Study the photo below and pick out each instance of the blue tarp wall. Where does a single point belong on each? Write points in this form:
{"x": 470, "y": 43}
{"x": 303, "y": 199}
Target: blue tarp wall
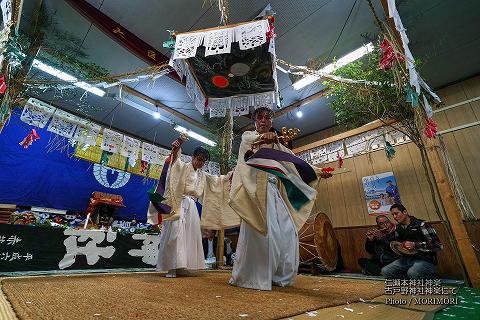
{"x": 37, "y": 177}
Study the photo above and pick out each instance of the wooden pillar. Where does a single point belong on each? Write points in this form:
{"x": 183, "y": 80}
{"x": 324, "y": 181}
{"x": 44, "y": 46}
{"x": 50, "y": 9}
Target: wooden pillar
{"x": 220, "y": 247}
{"x": 454, "y": 215}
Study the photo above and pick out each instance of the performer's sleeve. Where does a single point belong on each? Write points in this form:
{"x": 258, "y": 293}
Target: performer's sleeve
{"x": 248, "y": 138}
{"x": 175, "y": 184}
{"x": 153, "y": 216}
{"x": 217, "y": 214}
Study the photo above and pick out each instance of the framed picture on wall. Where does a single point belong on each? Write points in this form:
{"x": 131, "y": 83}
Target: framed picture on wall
{"x": 381, "y": 192}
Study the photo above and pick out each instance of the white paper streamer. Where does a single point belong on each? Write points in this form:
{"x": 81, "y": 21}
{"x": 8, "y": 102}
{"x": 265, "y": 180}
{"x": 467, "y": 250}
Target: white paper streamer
{"x": 37, "y": 113}
{"x": 112, "y": 141}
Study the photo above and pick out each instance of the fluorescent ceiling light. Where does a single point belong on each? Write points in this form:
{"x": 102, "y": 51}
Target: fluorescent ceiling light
{"x": 350, "y": 57}
{"x": 66, "y": 77}
{"x": 299, "y": 114}
{"x": 302, "y": 83}
{"x": 195, "y": 135}
{"x": 153, "y": 113}
{"x": 147, "y": 110}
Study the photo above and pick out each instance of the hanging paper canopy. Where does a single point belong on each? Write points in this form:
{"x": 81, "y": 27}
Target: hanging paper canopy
{"x": 230, "y": 66}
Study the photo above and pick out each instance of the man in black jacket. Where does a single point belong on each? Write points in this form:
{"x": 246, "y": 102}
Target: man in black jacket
{"x": 378, "y": 245}
{"x": 209, "y": 245}
{"x": 416, "y": 235}
{"x": 210, "y": 248}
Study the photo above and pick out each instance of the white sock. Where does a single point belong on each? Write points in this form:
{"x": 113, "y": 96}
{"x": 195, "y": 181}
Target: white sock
{"x": 171, "y": 273}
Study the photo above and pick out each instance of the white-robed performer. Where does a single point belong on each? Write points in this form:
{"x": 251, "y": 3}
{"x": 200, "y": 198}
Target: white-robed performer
{"x": 180, "y": 247}
{"x": 268, "y": 247}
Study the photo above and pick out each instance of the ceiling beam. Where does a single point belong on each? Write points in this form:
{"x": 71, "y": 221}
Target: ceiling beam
{"x": 293, "y": 106}
{"x": 162, "y": 106}
{"x": 121, "y": 35}
{"x": 390, "y": 21}
{"x": 135, "y": 45}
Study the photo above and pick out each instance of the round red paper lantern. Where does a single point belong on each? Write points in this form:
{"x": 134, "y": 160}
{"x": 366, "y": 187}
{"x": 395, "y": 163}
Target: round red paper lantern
{"x": 220, "y": 81}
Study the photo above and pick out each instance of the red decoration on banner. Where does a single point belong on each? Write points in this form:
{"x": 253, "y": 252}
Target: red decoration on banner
{"x": 58, "y": 220}
{"x": 3, "y": 85}
{"x": 431, "y": 128}
{"x": 29, "y": 139}
{"x": 220, "y": 81}
{"x": 271, "y": 29}
{"x": 144, "y": 166}
{"x": 328, "y": 169}
{"x": 28, "y": 218}
{"x": 340, "y": 159}
{"x": 388, "y": 55}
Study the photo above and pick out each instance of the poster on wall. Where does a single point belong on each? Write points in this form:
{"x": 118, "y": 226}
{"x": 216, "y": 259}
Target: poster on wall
{"x": 381, "y": 192}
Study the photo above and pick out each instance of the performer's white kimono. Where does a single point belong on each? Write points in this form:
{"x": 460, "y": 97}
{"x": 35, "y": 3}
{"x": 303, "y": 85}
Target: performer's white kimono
{"x": 268, "y": 248}
{"x": 180, "y": 239}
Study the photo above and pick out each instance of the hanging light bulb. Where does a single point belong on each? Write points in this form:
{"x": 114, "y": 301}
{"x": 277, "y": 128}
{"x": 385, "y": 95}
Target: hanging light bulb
{"x": 299, "y": 114}
{"x": 156, "y": 114}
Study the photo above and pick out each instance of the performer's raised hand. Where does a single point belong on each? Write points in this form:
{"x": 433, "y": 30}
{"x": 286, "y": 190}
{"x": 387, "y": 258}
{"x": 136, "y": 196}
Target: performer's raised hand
{"x": 175, "y": 147}
{"x": 268, "y": 137}
{"x": 176, "y": 144}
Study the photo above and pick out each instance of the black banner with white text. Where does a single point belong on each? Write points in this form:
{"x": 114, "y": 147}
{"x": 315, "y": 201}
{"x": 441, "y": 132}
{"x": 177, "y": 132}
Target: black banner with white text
{"x": 29, "y": 248}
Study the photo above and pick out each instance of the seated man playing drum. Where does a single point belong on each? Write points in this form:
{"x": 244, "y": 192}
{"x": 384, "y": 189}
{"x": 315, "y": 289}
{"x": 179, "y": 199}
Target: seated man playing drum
{"x": 418, "y": 244}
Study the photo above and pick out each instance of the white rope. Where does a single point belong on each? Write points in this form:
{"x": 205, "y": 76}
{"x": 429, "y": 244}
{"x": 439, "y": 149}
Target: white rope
{"x": 459, "y": 194}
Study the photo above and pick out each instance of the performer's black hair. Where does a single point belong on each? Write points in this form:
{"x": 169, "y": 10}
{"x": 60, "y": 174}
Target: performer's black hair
{"x": 201, "y": 151}
{"x": 261, "y": 109}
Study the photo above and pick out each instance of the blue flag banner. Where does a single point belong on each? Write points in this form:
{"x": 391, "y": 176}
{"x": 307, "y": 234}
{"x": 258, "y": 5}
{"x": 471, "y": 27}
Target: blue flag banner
{"x": 37, "y": 177}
